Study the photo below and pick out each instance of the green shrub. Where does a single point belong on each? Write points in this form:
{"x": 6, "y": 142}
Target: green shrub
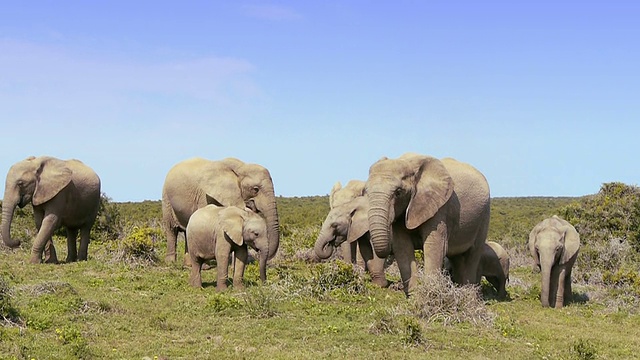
{"x": 259, "y": 302}
{"x": 222, "y": 302}
{"x": 139, "y": 245}
{"x": 584, "y": 350}
{"x": 8, "y": 313}
{"x": 108, "y": 224}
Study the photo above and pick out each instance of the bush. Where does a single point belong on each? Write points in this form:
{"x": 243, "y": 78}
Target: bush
{"x": 8, "y": 313}
{"x": 336, "y": 276}
{"x": 437, "y": 299}
{"x": 108, "y": 224}
{"x": 139, "y": 245}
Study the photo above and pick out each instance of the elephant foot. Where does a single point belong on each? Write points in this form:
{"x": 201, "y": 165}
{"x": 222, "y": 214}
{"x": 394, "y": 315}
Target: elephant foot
{"x": 382, "y": 282}
{"x": 35, "y": 259}
{"x": 170, "y": 259}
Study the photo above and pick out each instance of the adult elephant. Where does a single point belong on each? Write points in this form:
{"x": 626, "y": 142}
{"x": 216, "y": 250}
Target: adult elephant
{"x": 63, "y": 193}
{"x": 440, "y": 206}
{"x": 197, "y": 182}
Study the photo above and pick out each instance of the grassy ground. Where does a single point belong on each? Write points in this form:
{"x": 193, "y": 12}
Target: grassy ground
{"x": 112, "y": 309}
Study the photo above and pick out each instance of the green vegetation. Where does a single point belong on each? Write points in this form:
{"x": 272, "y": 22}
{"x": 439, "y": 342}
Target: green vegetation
{"x": 124, "y": 303}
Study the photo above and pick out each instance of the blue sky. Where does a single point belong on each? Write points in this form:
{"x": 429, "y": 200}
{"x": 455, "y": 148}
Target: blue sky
{"x": 543, "y": 97}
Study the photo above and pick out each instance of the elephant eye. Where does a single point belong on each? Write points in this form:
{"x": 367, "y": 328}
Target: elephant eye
{"x": 256, "y": 189}
{"x": 398, "y": 192}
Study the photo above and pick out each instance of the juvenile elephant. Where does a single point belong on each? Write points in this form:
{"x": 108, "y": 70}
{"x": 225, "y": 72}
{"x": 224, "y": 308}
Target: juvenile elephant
{"x": 197, "y": 182}
{"x": 348, "y": 224}
{"x": 494, "y": 266}
{"x": 214, "y": 232}
{"x": 440, "y": 206}
{"x": 341, "y": 195}
{"x": 63, "y": 193}
{"x": 554, "y": 245}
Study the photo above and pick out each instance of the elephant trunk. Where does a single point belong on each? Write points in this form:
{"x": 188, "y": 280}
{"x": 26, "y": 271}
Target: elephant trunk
{"x": 273, "y": 227}
{"x": 7, "y": 216}
{"x": 546, "y": 268}
{"x": 380, "y": 224}
{"x": 262, "y": 264}
{"x": 324, "y": 247}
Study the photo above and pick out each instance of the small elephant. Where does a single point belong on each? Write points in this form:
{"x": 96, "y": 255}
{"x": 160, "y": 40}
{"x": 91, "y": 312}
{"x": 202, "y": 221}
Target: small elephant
{"x": 439, "y": 206}
{"x": 195, "y": 183}
{"x": 341, "y": 195}
{"x": 554, "y": 245}
{"x": 214, "y": 232}
{"x": 63, "y": 193}
{"x": 494, "y": 266}
{"x": 348, "y": 223}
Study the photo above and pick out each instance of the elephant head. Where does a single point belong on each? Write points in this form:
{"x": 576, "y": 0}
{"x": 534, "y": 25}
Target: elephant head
{"x": 340, "y": 195}
{"x": 412, "y": 188}
{"x": 554, "y": 244}
{"x": 246, "y": 227}
{"x": 33, "y": 180}
{"x": 255, "y": 187}
{"x": 346, "y": 222}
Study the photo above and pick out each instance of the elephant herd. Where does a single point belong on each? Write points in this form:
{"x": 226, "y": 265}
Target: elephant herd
{"x": 413, "y": 202}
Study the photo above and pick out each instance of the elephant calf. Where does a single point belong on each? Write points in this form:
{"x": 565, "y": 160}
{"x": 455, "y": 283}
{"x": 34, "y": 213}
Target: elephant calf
{"x": 494, "y": 266}
{"x": 214, "y": 232}
{"x": 554, "y": 245}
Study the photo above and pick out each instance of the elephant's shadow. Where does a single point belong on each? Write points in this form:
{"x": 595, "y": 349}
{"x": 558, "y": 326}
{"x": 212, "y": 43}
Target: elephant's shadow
{"x": 489, "y": 293}
{"x": 578, "y": 298}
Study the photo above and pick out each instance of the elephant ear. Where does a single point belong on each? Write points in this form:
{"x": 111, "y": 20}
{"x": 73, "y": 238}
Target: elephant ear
{"x": 432, "y": 189}
{"x": 571, "y": 243}
{"x": 52, "y": 176}
{"x": 337, "y": 186}
{"x": 231, "y": 224}
{"x": 223, "y": 189}
{"x": 359, "y": 224}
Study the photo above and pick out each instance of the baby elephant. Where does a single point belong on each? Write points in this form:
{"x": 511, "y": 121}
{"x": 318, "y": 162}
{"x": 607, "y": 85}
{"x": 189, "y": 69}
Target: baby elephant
{"x": 214, "y": 232}
{"x": 494, "y": 266}
{"x": 554, "y": 245}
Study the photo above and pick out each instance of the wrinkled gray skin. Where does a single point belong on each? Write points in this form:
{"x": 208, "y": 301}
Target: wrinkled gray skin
{"x": 494, "y": 266}
{"x": 348, "y": 223}
{"x": 440, "y": 206}
{"x": 214, "y": 232}
{"x": 341, "y": 195}
{"x": 63, "y": 193}
{"x": 554, "y": 245}
{"x": 197, "y": 182}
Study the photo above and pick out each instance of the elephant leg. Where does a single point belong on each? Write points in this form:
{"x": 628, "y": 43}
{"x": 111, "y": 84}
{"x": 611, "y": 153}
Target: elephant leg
{"x": 403, "y": 250}
{"x": 240, "y": 261}
{"x": 50, "y": 256}
{"x": 466, "y": 269}
{"x": 568, "y": 293}
{"x": 374, "y": 264}
{"x": 48, "y": 225}
{"x": 560, "y": 291}
{"x": 435, "y": 235}
{"x": 195, "y": 279}
{"x": 172, "y": 240}
{"x": 72, "y": 251}
{"x": 85, "y": 239}
{"x": 223, "y": 269}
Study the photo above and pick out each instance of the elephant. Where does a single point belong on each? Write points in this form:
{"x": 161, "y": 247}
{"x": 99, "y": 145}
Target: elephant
{"x": 494, "y": 266}
{"x": 197, "y": 182}
{"x": 554, "y": 245}
{"x": 439, "y": 206}
{"x": 348, "y": 223}
{"x": 64, "y": 193}
{"x": 340, "y": 195}
{"x": 215, "y": 232}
